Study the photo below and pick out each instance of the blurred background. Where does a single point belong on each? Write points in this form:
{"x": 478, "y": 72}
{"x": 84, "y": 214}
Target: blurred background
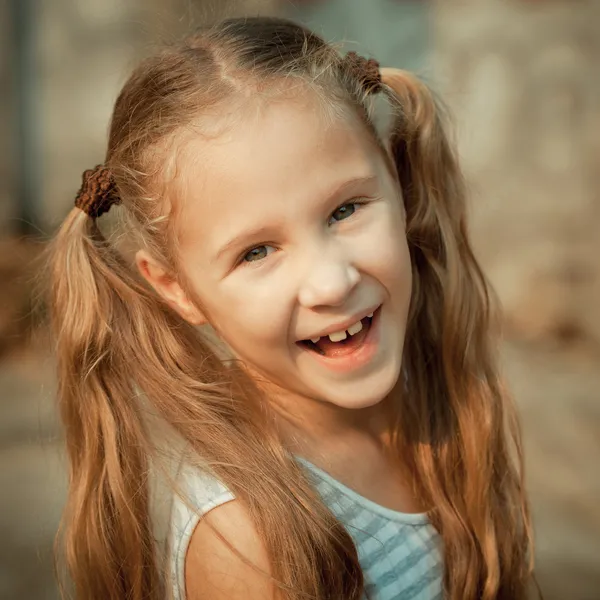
{"x": 521, "y": 79}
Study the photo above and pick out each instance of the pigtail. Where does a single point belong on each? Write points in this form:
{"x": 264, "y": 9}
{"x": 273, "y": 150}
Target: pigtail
{"x": 123, "y": 356}
{"x": 468, "y": 467}
{"x": 106, "y": 534}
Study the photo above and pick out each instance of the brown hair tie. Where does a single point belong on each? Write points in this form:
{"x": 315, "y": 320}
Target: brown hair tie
{"x": 98, "y": 192}
{"x": 365, "y": 70}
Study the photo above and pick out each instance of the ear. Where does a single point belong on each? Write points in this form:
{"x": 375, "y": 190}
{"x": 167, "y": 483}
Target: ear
{"x": 167, "y": 286}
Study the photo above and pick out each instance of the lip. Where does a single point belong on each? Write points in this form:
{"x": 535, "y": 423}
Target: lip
{"x": 361, "y": 357}
{"x": 343, "y": 325}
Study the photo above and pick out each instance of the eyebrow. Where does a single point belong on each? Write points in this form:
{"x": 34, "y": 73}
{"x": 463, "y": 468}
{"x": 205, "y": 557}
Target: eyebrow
{"x": 243, "y": 238}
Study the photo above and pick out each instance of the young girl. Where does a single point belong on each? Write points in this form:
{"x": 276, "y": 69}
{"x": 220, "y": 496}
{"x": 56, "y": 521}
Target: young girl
{"x": 342, "y": 429}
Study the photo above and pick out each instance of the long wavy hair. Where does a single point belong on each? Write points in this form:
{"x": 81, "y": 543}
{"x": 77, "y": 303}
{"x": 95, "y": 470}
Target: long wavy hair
{"x": 117, "y": 343}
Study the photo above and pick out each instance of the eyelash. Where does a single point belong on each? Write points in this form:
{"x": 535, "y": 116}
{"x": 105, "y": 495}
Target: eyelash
{"x": 357, "y": 203}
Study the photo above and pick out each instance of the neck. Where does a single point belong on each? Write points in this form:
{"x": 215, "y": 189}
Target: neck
{"x": 308, "y": 425}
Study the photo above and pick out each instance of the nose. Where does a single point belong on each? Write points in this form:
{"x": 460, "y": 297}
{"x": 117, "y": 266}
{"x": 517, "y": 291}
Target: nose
{"x": 329, "y": 282}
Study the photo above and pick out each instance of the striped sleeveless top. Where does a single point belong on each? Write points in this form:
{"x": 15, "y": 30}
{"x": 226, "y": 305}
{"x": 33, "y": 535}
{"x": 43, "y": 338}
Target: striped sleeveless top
{"x": 400, "y": 554}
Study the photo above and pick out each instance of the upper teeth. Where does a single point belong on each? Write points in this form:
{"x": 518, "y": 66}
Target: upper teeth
{"x": 338, "y": 336}
{"x": 354, "y": 328}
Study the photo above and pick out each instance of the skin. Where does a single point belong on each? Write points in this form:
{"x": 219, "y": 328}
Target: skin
{"x": 313, "y": 202}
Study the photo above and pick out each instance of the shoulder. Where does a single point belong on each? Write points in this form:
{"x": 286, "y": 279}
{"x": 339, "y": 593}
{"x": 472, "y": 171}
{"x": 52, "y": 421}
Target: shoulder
{"x": 226, "y": 558}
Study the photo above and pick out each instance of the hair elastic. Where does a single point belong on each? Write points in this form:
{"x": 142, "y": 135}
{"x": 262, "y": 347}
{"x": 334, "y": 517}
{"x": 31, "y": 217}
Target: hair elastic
{"x": 98, "y": 192}
{"x": 365, "y": 70}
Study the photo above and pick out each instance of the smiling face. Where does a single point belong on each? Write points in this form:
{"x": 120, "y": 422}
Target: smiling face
{"x": 292, "y": 227}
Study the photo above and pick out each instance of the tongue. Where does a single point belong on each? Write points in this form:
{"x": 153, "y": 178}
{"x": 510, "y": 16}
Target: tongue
{"x": 347, "y": 346}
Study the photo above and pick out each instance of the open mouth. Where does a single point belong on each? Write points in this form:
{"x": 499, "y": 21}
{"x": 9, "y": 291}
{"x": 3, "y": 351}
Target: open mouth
{"x": 341, "y": 343}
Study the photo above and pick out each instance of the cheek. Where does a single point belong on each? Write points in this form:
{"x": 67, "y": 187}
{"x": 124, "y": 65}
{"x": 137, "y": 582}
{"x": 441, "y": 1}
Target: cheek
{"x": 385, "y": 253}
{"x": 246, "y": 316}
{"x": 247, "y": 319}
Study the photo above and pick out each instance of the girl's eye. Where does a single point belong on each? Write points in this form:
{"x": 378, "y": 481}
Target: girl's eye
{"x": 257, "y": 253}
{"x": 343, "y": 212}
{"x": 261, "y": 252}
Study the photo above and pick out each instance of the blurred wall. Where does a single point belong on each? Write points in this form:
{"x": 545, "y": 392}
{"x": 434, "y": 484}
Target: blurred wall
{"x": 522, "y": 80}
{"x": 395, "y": 32}
{"x": 6, "y": 118}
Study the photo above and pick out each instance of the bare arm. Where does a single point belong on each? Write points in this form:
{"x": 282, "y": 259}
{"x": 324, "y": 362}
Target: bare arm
{"x": 213, "y": 570}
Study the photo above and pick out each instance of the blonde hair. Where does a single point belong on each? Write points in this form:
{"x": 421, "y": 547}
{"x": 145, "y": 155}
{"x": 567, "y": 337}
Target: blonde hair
{"x": 115, "y": 338}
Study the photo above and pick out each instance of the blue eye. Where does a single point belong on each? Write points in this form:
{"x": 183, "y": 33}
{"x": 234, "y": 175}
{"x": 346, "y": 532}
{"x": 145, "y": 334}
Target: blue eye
{"x": 343, "y": 212}
{"x": 257, "y": 253}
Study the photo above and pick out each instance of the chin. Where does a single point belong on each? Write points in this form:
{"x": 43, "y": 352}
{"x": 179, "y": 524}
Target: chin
{"x": 358, "y": 403}
{"x": 364, "y": 394}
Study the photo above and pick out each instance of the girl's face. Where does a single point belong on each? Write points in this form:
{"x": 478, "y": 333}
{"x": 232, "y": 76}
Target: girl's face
{"x": 292, "y": 229}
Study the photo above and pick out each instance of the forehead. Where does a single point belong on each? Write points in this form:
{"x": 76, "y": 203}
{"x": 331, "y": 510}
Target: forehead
{"x": 273, "y": 156}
